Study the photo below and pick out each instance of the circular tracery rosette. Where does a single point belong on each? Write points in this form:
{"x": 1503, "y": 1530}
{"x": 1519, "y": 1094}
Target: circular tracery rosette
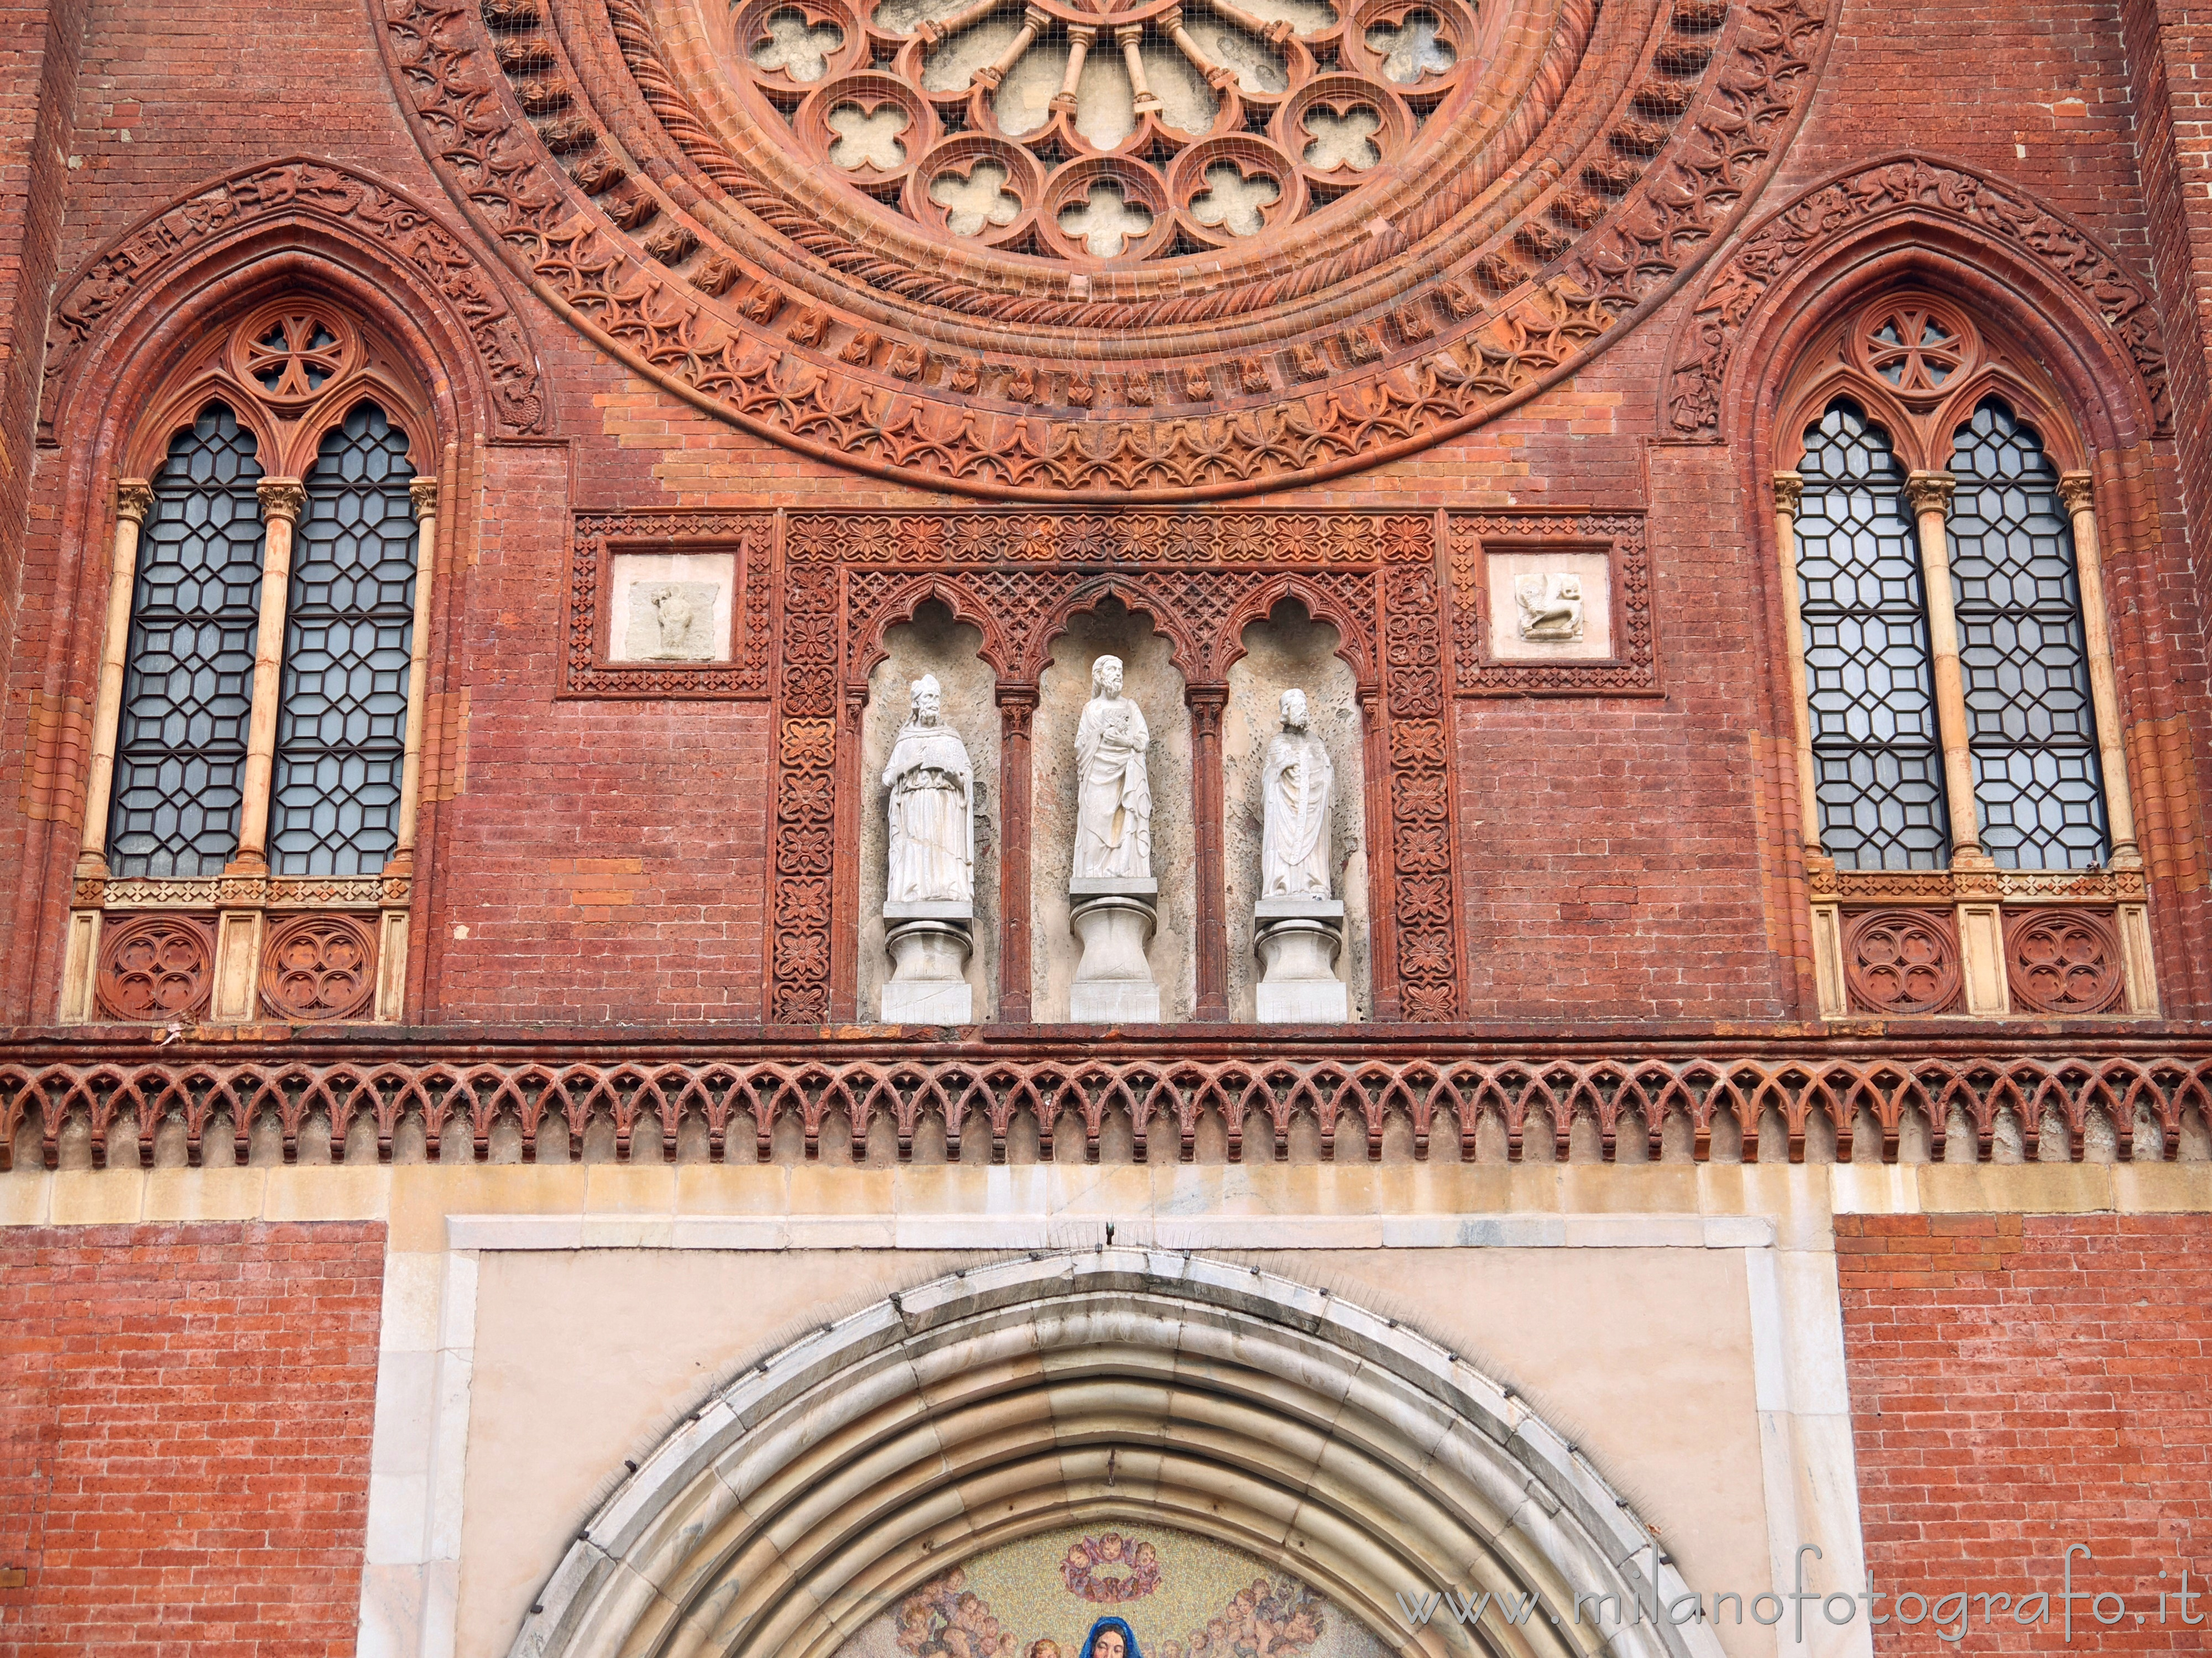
{"x": 1016, "y": 248}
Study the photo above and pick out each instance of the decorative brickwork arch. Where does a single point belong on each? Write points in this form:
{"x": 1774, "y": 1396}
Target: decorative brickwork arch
{"x": 632, "y": 162}
{"x": 998, "y": 1403}
{"x": 367, "y": 246}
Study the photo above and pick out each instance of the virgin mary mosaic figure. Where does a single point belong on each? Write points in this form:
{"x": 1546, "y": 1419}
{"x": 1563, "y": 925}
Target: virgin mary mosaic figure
{"x": 1110, "y": 1637}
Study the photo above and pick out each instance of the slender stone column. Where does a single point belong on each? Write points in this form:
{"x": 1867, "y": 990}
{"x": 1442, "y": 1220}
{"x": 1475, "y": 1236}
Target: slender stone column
{"x": 424, "y": 492}
{"x": 1819, "y": 868}
{"x": 1981, "y": 925}
{"x": 1079, "y": 47}
{"x": 1788, "y": 496}
{"x": 2078, "y": 492}
{"x": 1129, "y": 35}
{"x": 1017, "y": 706}
{"x": 1207, "y": 703}
{"x": 134, "y": 499}
{"x": 1931, "y": 495}
{"x": 283, "y": 500}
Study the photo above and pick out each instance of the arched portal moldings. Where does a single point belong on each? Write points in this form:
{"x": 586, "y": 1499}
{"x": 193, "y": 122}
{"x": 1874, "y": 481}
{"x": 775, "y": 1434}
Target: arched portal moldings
{"x": 1003, "y": 1402}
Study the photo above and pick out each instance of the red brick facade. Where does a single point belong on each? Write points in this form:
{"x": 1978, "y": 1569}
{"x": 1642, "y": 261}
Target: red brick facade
{"x": 184, "y": 1437}
{"x": 2022, "y": 1382}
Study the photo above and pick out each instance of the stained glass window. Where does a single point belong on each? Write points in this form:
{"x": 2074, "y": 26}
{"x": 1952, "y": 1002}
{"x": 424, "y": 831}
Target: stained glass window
{"x": 188, "y": 672}
{"x": 2030, "y": 721}
{"x": 342, "y": 717}
{"x": 1877, "y": 760}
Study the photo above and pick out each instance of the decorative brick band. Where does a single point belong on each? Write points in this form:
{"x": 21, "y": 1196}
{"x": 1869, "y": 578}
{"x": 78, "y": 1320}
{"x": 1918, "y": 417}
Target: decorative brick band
{"x": 1527, "y": 1106}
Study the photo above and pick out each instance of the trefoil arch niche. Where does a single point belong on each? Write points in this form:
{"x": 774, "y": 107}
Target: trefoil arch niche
{"x": 1113, "y": 1386}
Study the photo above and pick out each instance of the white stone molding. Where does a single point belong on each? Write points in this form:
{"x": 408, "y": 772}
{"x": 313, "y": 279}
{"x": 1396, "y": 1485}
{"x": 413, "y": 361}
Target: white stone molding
{"x": 797, "y": 1501}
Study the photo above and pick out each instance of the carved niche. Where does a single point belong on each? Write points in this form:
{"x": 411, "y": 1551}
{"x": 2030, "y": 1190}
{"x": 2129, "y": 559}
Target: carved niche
{"x": 785, "y": 211}
{"x": 849, "y": 576}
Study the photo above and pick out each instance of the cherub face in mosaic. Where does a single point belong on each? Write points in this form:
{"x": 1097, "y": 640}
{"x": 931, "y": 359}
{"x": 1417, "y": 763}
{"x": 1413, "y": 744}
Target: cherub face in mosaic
{"x": 1125, "y": 1590}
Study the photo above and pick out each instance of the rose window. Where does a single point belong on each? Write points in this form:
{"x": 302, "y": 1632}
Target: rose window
{"x": 1108, "y": 136}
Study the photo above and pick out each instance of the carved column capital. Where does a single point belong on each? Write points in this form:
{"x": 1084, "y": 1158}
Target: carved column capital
{"x": 1789, "y": 492}
{"x": 284, "y": 498}
{"x": 1207, "y": 703}
{"x": 1930, "y": 492}
{"x": 1017, "y": 706}
{"x": 2077, "y": 491}
{"x": 134, "y": 499}
{"x": 423, "y": 492}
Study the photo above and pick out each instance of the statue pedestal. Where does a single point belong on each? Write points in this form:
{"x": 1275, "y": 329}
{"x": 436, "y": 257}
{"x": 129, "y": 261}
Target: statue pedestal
{"x": 1115, "y": 920}
{"x": 1298, "y": 941}
{"x": 929, "y": 945}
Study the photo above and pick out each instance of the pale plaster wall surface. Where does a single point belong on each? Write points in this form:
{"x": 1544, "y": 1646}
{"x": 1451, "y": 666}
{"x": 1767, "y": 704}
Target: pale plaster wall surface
{"x": 1291, "y": 650}
{"x": 932, "y": 643}
{"x": 1151, "y": 678}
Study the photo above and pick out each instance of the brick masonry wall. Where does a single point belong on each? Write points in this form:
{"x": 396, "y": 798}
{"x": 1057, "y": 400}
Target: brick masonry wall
{"x": 2022, "y": 1382}
{"x": 606, "y": 861}
{"x": 184, "y": 1437}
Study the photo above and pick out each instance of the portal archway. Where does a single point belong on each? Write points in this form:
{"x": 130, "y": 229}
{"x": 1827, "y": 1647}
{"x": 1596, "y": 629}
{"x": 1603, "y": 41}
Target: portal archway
{"x": 864, "y": 1460}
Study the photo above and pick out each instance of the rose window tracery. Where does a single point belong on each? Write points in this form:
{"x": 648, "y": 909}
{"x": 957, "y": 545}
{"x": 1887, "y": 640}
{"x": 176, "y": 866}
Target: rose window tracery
{"x": 1109, "y": 250}
{"x": 1059, "y": 131}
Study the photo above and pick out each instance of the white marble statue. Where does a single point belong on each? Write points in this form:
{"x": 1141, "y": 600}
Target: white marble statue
{"x": 1114, "y": 802}
{"x": 1297, "y": 782}
{"x": 932, "y": 816}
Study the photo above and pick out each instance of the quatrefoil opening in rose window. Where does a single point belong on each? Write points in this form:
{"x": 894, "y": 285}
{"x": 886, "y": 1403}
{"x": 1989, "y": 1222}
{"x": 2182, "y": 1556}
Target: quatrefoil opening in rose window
{"x": 1102, "y": 136}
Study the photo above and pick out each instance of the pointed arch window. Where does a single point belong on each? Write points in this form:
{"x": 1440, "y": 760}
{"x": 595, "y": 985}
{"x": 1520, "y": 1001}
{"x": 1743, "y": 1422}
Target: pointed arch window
{"x": 2030, "y": 722}
{"x": 342, "y": 709}
{"x": 188, "y": 683}
{"x": 1969, "y": 835}
{"x": 257, "y": 740}
{"x": 1878, "y": 763}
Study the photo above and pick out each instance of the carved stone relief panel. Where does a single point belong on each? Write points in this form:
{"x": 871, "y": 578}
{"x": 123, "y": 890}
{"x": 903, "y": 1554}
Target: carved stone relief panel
{"x": 670, "y": 607}
{"x": 1548, "y": 606}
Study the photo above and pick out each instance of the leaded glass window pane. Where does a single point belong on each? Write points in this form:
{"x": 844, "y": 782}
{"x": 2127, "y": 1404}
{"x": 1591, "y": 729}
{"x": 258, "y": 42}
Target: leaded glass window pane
{"x": 1877, "y": 761}
{"x": 342, "y": 717}
{"x": 2030, "y": 722}
{"x": 188, "y": 669}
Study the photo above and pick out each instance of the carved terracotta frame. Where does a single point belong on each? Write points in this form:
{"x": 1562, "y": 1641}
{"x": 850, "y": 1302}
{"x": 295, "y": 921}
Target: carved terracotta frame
{"x": 1017, "y": 577}
{"x": 750, "y": 540}
{"x": 1631, "y": 671}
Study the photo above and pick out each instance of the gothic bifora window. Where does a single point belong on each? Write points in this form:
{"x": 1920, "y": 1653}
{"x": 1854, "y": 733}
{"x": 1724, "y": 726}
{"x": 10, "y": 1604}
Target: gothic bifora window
{"x": 265, "y": 605}
{"x": 1964, "y": 805}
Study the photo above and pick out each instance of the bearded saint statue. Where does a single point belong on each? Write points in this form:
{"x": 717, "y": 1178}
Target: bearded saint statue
{"x": 1296, "y": 782}
{"x": 932, "y": 818}
{"x": 1113, "y": 799}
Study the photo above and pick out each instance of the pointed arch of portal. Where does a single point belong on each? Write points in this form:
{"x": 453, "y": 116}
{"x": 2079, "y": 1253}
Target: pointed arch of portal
{"x": 1009, "y": 1400}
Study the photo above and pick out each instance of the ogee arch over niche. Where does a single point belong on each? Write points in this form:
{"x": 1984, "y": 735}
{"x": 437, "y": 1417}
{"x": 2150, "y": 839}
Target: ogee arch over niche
{"x": 1117, "y": 1390}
